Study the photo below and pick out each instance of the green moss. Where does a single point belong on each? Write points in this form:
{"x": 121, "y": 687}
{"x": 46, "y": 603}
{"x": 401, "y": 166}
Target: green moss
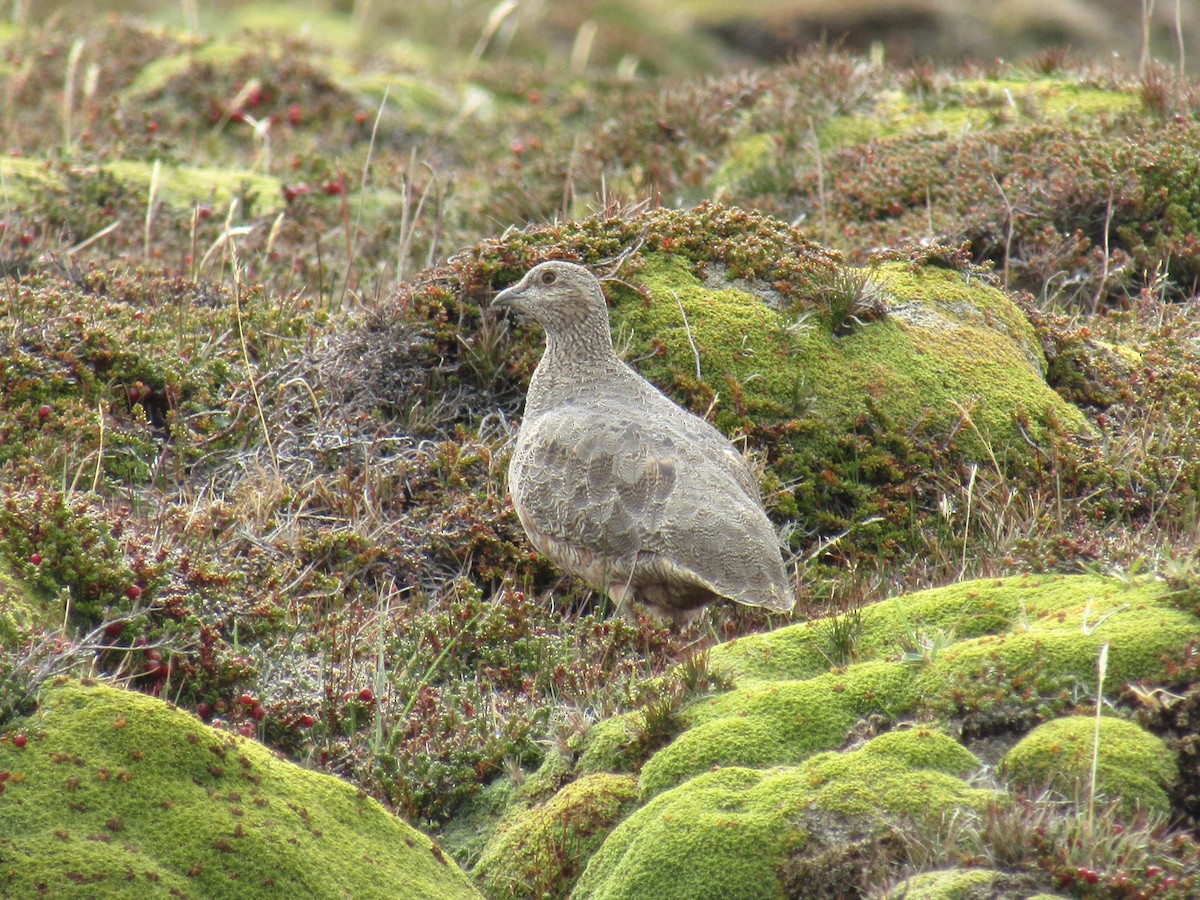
{"x": 979, "y": 105}
{"x": 20, "y": 176}
{"x": 118, "y": 793}
{"x": 1029, "y": 642}
{"x": 747, "y": 167}
{"x": 947, "y": 347}
{"x": 183, "y": 186}
{"x": 178, "y": 186}
{"x": 476, "y": 820}
{"x": 948, "y": 884}
{"x": 773, "y": 723}
{"x": 1027, "y": 607}
{"x": 610, "y": 745}
{"x": 1135, "y": 768}
{"x": 160, "y": 72}
{"x": 544, "y": 848}
{"x": 21, "y": 611}
{"x": 727, "y": 832}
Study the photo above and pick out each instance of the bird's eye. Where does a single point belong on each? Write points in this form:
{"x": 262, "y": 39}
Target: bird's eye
{"x": 549, "y": 277}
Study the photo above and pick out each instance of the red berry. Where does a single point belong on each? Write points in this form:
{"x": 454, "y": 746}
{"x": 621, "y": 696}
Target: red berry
{"x": 114, "y": 629}
{"x": 306, "y": 721}
{"x": 217, "y": 723}
{"x": 248, "y": 700}
{"x": 334, "y": 188}
{"x": 20, "y": 740}
{"x": 44, "y": 411}
{"x": 293, "y": 114}
{"x": 35, "y": 558}
{"x": 366, "y": 695}
{"x": 258, "y": 712}
{"x": 247, "y": 729}
{"x": 133, "y": 592}
{"x": 203, "y": 710}
{"x": 292, "y": 191}
{"x": 203, "y": 212}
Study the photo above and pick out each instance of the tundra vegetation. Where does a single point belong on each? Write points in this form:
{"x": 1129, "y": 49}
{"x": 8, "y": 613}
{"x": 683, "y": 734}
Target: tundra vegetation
{"x": 255, "y": 415}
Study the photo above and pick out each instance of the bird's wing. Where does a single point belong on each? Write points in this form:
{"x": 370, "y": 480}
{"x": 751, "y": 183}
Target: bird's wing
{"x": 610, "y": 481}
{"x": 595, "y": 480}
{"x": 701, "y": 435}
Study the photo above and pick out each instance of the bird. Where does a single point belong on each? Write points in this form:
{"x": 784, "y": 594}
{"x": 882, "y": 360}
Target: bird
{"x": 616, "y": 483}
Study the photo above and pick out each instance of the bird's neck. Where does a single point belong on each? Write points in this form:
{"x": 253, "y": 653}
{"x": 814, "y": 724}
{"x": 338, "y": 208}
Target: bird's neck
{"x": 573, "y": 363}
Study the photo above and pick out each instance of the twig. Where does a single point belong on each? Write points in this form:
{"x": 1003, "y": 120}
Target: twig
{"x": 688, "y": 328}
{"x": 967, "y": 518}
{"x": 151, "y": 199}
{"x": 87, "y": 242}
{"x": 1101, "y": 669}
{"x": 68, "y": 103}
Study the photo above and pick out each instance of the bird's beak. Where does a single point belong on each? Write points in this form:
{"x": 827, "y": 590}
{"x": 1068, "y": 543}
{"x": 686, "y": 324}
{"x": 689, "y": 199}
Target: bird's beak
{"x": 509, "y": 298}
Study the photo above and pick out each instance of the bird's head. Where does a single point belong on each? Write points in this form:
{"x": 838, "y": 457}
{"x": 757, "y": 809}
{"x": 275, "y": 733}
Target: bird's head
{"x": 561, "y": 296}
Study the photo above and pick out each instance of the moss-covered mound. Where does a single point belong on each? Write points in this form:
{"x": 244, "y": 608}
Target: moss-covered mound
{"x": 727, "y": 833}
{"x": 20, "y": 611}
{"x": 979, "y": 651}
{"x": 541, "y": 849}
{"x": 969, "y": 884}
{"x": 723, "y": 800}
{"x": 1134, "y": 768}
{"x": 859, "y": 386}
{"x": 908, "y": 343}
{"x": 109, "y": 793}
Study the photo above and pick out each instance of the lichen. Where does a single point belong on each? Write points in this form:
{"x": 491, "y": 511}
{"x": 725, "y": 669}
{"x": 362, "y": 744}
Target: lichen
{"x": 1134, "y": 769}
{"x": 115, "y": 792}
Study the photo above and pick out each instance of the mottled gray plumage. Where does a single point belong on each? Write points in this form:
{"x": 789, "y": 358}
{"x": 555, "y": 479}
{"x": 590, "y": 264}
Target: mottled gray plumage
{"x": 616, "y": 483}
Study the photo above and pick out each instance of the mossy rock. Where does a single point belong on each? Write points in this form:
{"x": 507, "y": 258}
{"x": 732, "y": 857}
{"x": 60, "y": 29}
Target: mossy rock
{"x": 543, "y": 848}
{"x": 981, "y": 104}
{"x": 179, "y": 186}
{"x": 728, "y": 832}
{"x": 1015, "y": 644}
{"x": 947, "y": 346}
{"x": 855, "y": 384}
{"x": 970, "y": 884}
{"x": 1135, "y": 768}
{"x": 21, "y": 612}
{"x": 1017, "y": 605}
{"x": 116, "y": 793}
{"x": 757, "y": 164}
{"x": 1026, "y": 645}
